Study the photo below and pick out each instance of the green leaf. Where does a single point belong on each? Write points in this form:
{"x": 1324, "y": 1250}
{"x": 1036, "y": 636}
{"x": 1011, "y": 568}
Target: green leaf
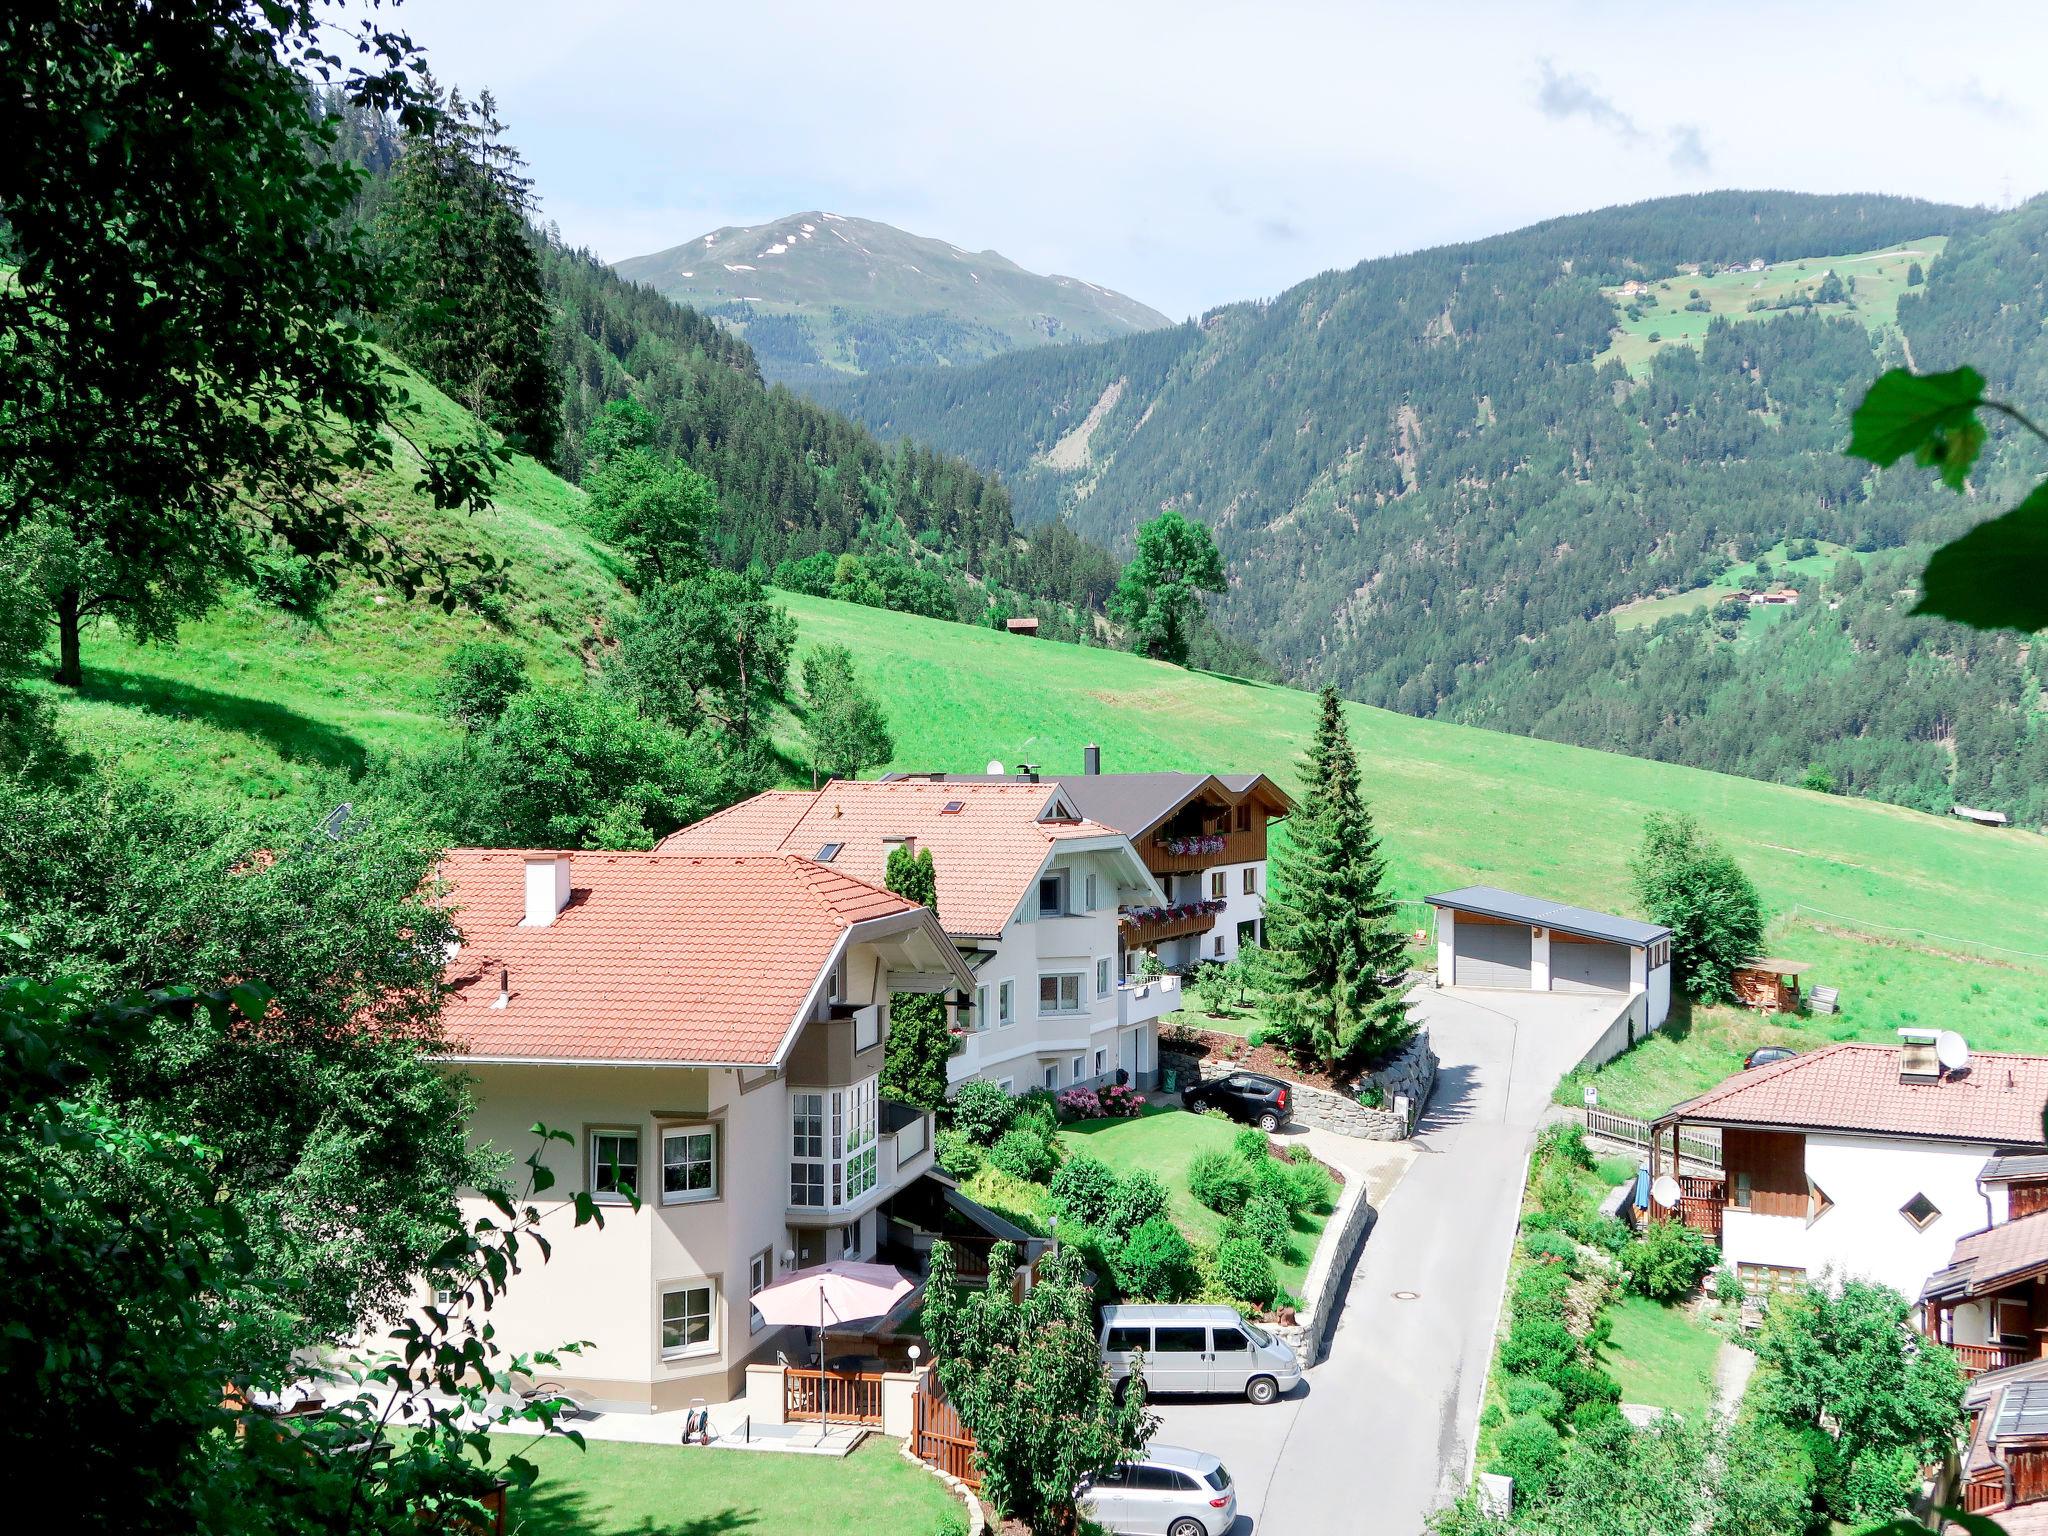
{"x": 1929, "y": 415}
{"x": 1996, "y": 575}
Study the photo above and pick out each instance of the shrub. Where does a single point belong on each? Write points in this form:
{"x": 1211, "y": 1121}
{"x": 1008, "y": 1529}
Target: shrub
{"x": 958, "y": 1158}
{"x": 1670, "y": 1261}
{"x": 1542, "y": 1221}
{"x": 1084, "y": 1190}
{"x": 1610, "y": 1234}
{"x": 1275, "y": 1180}
{"x": 1590, "y": 1415}
{"x": 1023, "y": 1155}
{"x": 982, "y": 1111}
{"x": 1536, "y": 1344}
{"x": 1578, "y": 1383}
{"x": 1155, "y": 1263}
{"x": 1314, "y": 1188}
{"x": 1564, "y": 1141}
{"x": 1530, "y": 1451}
{"x": 1219, "y": 1181}
{"x": 1243, "y": 1270}
{"x": 1539, "y": 1291}
{"x": 1551, "y": 1248}
{"x": 1879, "y": 1482}
{"x": 1252, "y": 1144}
{"x": 1527, "y": 1395}
{"x": 1728, "y": 1286}
{"x": 1140, "y": 1196}
{"x": 1266, "y": 1222}
{"x": 1037, "y": 1112}
{"x": 1080, "y": 1104}
{"x": 1120, "y": 1102}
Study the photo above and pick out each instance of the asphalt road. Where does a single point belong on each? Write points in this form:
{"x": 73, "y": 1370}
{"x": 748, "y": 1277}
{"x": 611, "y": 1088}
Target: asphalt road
{"x": 1378, "y": 1435}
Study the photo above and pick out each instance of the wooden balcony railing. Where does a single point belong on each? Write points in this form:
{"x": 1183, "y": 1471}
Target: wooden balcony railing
{"x": 1976, "y": 1359}
{"x": 844, "y": 1397}
{"x": 1238, "y": 848}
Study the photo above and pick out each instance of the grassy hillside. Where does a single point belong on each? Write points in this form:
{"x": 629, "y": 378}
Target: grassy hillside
{"x": 1917, "y": 919}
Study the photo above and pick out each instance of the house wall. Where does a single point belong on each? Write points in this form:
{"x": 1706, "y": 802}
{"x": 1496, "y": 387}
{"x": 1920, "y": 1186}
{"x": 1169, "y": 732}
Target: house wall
{"x": 1659, "y": 991}
{"x": 1032, "y": 946}
{"x": 1863, "y": 1235}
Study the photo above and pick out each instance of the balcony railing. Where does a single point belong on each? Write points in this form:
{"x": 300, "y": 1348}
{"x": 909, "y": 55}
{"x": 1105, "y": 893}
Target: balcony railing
{"x": 1976, "y": 1359}
{"x": 1155, "y": 925}
{"x": 1140, "y": 999}
{"x": 1184, "y": 854}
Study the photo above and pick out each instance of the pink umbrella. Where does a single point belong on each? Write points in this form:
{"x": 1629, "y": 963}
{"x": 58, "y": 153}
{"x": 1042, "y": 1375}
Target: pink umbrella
{"x": 840, "y": 1292}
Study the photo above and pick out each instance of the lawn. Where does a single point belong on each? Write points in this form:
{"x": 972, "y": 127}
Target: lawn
{"x": 1660, "y": 1356}
{"x": 1695, "y": 1050}
{"x": 612, "y": 1489}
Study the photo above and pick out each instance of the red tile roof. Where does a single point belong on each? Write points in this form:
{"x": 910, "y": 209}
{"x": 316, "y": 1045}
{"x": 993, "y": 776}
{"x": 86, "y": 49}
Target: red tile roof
{"x": 656, "y": 957}
{"x": 987, "y": 853}
{"x": 1854, "y": 1086}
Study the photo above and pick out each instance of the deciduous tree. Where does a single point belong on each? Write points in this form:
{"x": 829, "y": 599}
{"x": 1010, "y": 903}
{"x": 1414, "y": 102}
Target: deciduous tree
{"x": 1692, "y": 885}
{"x": 920, "y": 1043}
{"x": 710, "y": 650}
{"x": 847, "y": 730}
{"x": 1158, "y": 596}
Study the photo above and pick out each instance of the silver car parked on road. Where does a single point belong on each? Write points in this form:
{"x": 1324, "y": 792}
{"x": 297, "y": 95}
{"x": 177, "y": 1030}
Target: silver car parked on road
{"x": 1169, "y": 1491}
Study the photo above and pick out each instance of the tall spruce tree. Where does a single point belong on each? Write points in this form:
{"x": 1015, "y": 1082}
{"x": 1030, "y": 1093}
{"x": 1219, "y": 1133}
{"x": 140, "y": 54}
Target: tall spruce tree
{"x": 914, "y": 1066}
{"x": 1330, "y": 932}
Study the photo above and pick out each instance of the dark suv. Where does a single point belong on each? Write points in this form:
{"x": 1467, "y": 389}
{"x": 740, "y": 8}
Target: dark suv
{"x": 1251, "y": 1097}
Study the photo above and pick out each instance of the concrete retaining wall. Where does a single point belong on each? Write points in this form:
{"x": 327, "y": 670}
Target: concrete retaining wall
{"x": 1624, "y": 1032}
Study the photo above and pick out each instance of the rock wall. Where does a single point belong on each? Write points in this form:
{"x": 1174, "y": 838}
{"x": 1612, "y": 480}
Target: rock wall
{"x": 1322, "y": 1293}
{"x": 1411, "y": 1074}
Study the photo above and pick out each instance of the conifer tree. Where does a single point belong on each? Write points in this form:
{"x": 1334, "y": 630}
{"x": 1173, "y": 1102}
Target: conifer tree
{"x": 914, "y": 1066}
{"x": 1330, "y": 933}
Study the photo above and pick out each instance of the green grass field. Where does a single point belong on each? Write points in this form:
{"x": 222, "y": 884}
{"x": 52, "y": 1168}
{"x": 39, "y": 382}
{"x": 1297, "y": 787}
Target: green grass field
{"x": 614, "y": 1489}
{"x": 1644, "y": 612}
{"x": 1661, "y": 1357}
{"x": 1880, "y": 278}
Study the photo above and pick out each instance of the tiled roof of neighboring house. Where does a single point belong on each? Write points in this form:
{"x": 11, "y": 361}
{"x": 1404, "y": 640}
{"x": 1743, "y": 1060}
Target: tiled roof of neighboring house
{"x": 1491, "y": 901}
{"x": 655, "y": 958}
{"x": 2017, "y": 1165}
{"x": 1993, "y": 1259}
{"x": 1133, "y": 802}
{"x": 1855, "y": 1086}
{"x": 986, "y": 853}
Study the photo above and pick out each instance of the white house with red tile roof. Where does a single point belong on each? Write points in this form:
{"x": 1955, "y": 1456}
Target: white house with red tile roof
{"x": 710, "y": 1031}
{"x": 1858, "y": 1159}
{"x": 1029, "y": 890}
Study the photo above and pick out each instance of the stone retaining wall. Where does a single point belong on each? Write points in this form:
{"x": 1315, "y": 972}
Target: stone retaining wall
{"x": 1322, "y": 1293}
{"x": 1410, "y": 1075}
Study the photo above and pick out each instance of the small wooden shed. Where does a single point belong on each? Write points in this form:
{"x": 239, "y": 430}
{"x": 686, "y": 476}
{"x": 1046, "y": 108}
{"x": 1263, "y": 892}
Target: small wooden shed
{"x": 1024, "y": 626}
{"x": 1769, "y": 985}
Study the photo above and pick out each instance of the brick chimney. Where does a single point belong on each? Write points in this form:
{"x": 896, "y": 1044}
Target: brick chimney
{"x": 547, "y": 888}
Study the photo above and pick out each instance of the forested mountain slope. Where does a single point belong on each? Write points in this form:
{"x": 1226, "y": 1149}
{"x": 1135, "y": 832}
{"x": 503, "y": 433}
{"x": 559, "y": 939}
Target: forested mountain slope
{"x": 818, "y": 295}
{"x": 1435, "y": 482}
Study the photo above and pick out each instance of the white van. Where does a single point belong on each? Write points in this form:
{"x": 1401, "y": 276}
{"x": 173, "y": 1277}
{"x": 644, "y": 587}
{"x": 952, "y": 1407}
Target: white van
{"x": 1197, "y": 1349}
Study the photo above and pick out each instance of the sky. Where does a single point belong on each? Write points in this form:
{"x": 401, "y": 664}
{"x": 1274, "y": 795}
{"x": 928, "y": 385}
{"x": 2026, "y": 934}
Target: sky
{"x": 1191, "y": 153}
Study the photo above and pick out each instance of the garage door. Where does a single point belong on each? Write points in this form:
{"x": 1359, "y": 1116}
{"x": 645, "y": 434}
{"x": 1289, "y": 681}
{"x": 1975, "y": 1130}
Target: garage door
{"x": 1587, "y": 965}
{"x": 1491, "y": 954}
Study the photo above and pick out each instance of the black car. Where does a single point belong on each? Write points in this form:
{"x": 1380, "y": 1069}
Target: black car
{"x": 1765, "y": 1055}
{"x": 1251, "y": 1097}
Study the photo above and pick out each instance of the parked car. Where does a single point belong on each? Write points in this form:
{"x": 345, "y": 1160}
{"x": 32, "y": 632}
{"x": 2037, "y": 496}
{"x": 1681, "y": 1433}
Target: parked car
{"x": 1764, "y": 1055}
{"x": 1197, "y": 1349}
{"x": 1169, "y": 1492}
{"x": 1252, "y": 1097}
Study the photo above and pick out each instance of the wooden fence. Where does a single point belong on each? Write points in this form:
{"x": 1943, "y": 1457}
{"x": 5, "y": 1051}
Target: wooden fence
{"x": 1695, "y": 1146}
{"x": 1975, "y": 1359}
{"x": 844, "y": 1397}
{"x": 939, "y": 1439}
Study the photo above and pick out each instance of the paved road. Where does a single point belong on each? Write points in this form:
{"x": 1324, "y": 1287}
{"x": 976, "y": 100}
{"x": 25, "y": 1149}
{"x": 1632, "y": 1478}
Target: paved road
{"x": 1378, "y": 1435}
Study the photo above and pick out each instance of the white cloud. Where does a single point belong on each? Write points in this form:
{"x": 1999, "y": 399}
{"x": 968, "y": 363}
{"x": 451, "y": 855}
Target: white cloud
{"x": 1334, "y": 130}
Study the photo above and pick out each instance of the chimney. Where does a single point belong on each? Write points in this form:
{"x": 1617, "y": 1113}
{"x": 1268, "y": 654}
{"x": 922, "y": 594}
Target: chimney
{"x": 547, "y": 888}
{"x": 1918, "y": 1062}
{"x": 504, "y": 999}
{"x": 1091, "y": 759}
{"x": 905, "y": 840}
{"x": 1028, "y": 772}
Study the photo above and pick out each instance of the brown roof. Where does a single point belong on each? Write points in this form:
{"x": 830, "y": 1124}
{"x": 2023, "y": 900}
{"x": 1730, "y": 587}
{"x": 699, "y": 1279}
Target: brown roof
{"x": 655, "y": 958}
{"x": 987, "y": 852}
{"x": 1854, "y": 1086}
{"x": 1998, "y": 1256}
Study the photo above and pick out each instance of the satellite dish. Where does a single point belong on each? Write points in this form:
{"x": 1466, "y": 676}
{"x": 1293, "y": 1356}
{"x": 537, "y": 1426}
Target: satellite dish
{"x": 995, "y": 767}
{"x": 1952, "y": 1050}
{"x": 1665, "y": 1190}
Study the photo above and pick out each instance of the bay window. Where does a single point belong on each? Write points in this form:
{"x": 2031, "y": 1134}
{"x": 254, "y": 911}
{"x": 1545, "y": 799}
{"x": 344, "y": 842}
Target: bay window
{"x": 833, "y": 1147}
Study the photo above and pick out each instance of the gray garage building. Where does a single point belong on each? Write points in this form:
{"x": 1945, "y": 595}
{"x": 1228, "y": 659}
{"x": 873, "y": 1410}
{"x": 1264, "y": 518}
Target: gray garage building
{"x": 1487, "y": 937}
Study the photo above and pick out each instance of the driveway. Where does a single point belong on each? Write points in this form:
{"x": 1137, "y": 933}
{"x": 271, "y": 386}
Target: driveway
{"x": 1379, "y": 1434}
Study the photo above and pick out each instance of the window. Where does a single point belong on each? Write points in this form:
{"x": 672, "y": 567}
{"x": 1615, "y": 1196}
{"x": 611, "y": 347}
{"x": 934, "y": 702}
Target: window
{"x": 1217, "y": 887}
{"x": 1817, "y": 1202}
{"x": 1244, "y": 818}
{"x": 1089, "y": 904}
{"x": 1921, "y": 1212}
{"x": 686, "y": 1321}
{"x": 1228, "y": 1341}
{"x": 1126, "y": 1340}
{"x": 1161, "y": 1480}
{"x": 1079, "y": 1066}
{"x": 1251, "y": 879}
{"x": 1183, "y": 1341}
{"x": 829, "y": 852}
{"x": 1059, "y": 994}
{"x": 867, "y": 1027}
{"x": 1102, "y": 968}
{"x": 1743, "y": 1186}
{"x": 849, "y": 1240}
{"x": 615, "y": 1165}
{"x": 1052, "y": 895}
{"x": 1052, "y": 1074}
{"x": 981, "y": 1019}
{"x": 760, "y": 1269}
{"x": 1761, "y": 1281}
{"x": 1218, "y": 951}
{"x": 952, "y": 807}
{"x": 1006, "y": 1004}
{"x": 1007, "y": 1084}
{"x": 1100, "y": 1058}
{"x": 689, "y": 1165}
{"x": 832, "y": 1146}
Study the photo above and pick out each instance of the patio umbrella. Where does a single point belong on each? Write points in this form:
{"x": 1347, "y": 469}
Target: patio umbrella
{"x": 840, "y": 1292}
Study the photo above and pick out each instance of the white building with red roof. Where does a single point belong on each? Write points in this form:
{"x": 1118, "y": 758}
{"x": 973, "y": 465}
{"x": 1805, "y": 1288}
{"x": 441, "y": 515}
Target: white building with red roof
{"x": 710, "y": 1032}
{"x": 1856, "y": 1160}
{"x": 1033, "y": 894}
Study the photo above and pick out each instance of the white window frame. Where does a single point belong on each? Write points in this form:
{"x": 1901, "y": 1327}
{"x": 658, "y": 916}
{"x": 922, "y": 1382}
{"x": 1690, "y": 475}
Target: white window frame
{"x": 760, "y": 1272}
{"x": 1219, "y": 884}
{"x": 1050, "y": 1074}
{"x": 839, "y": 1160}
{"x": 1006, "y": 1002}
{"x": 1251, "y": 880}
{"x": 981, "y": 1018}
{"x": 1058, "y": 879}
{"x": 1007, "y": 1084}
{"x": 1101, "y": 1057}
{"x": 807, "y": 1118}
{"x": 1088, "y": 892}
{"x": 595, "y": 1166}
{"x": 1059, "y": 1007}
{"x": 687, "y": 1134}
{"x": 1105, "y": 977}
{"x": 849, "y": 1239}
{"x": 685, "y": 1350}
{"x": 1079, "y": 1066}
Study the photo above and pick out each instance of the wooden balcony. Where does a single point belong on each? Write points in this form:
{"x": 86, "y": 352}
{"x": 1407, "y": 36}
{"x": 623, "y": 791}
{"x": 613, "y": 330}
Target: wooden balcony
{"x": 1701, "y": 1200}
{"x": 1237, "y": 848}
{"x": 1976, "y": 1359}
{"x": 1143, "y": 935}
